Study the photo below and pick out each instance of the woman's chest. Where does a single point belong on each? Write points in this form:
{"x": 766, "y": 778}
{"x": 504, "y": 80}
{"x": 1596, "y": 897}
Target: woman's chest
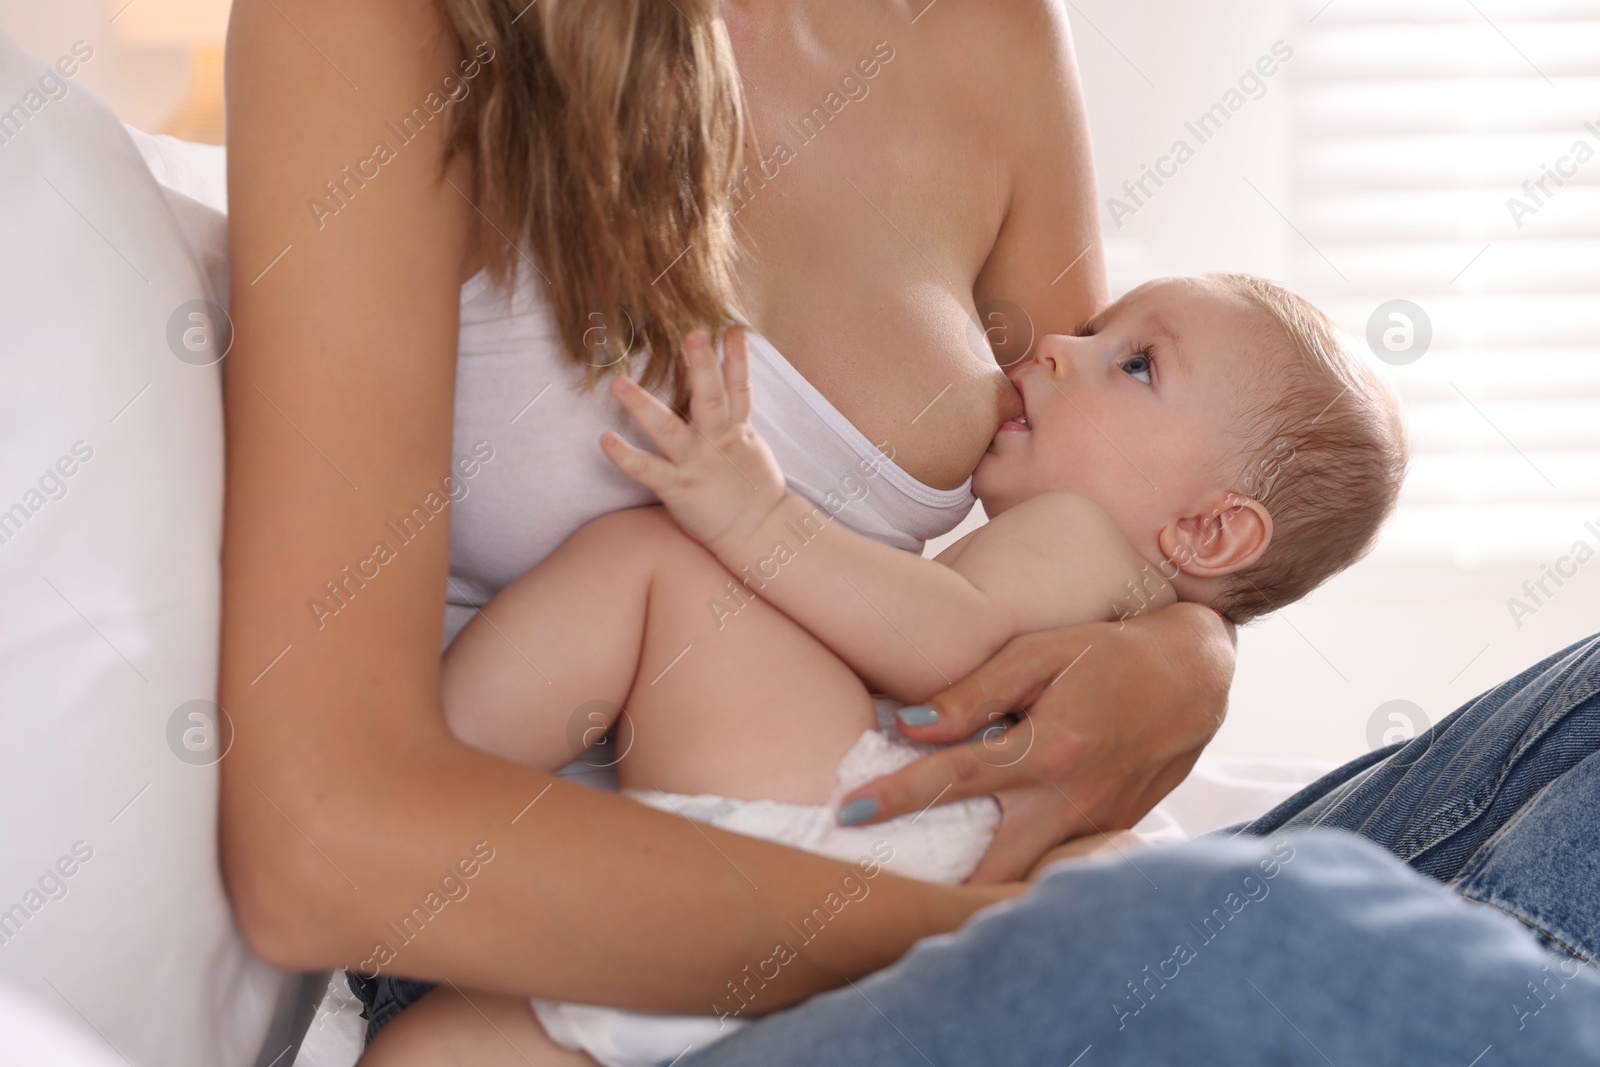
{"x": 870, "y": 201}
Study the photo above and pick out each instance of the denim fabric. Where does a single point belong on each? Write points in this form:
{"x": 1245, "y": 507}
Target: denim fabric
{"x": 383, "y": 998}
{"x": 1501, "y": 800}
{"x": 1192, "y": 954}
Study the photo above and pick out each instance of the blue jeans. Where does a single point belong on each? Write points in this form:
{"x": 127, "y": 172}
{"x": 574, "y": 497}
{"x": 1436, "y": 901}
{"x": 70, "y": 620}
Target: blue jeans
{"x": 1435, "y": 902}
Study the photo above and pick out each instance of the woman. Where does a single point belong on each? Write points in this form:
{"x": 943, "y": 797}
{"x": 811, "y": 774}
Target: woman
{"x": 903, "y": 202}
{"x": 347, "y": 799}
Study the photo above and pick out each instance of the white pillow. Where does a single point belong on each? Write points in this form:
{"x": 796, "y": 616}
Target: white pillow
{"x": 36, "y": 1036}
{"x": 194, "y": 179}
{"x": 197, "y": 171}
{"x": 112, "y": 909}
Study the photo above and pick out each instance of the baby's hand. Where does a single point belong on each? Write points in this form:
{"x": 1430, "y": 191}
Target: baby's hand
{"x": 718, "y": 478}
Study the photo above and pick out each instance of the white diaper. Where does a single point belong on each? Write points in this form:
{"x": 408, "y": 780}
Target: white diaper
{"x": 940, "y": 844}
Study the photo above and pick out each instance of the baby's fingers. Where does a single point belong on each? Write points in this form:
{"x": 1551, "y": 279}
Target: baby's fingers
{"x": 650, "y": 471}
{"x": 708, "y": 403}
{"x": 659, "y": 422}
{"x": 736, "y": 375}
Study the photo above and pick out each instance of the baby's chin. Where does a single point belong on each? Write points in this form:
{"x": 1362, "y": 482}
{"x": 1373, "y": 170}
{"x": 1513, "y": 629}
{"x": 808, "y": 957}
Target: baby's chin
{"x": 987, "y": 482}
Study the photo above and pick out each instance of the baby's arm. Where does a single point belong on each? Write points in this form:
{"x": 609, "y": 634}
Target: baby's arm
{"x": 912, "y": 626}
{"x": 907, "y": 625}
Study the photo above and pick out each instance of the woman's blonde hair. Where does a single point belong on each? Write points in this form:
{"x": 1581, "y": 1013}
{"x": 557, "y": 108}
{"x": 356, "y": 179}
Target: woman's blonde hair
{"x": 604, "y": 138}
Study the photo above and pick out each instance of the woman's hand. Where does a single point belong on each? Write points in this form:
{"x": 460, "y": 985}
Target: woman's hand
{"x": 715, "y": 474}
{"x": 1114, "y": 843}
{"x": 1116, "y": 715}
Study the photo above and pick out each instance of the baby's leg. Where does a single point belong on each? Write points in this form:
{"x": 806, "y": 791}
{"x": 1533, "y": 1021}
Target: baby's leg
{"x": 733, "y": 697}
{"x": 447, "y": 1028}
{"x": 724, "y": 694}
{"x": 564, "y": 636}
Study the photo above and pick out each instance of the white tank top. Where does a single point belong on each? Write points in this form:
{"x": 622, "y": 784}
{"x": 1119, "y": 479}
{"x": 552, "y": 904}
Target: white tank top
{"x": 527, "y": 429}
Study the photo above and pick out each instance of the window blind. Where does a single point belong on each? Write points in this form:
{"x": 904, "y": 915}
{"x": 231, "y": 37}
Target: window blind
{"x": 1448, "y": 153}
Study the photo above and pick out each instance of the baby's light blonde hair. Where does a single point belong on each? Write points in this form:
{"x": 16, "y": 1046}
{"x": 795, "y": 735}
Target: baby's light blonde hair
{"x": 1327, "y": 453}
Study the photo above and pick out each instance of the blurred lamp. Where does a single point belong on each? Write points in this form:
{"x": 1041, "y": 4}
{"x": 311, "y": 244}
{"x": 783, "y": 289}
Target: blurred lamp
{"x": 198, "y": 26}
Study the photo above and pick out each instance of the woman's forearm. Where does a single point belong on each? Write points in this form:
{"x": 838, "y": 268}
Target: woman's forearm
{"x": 1194, "y": 649}
{"x": 613, "y": 902}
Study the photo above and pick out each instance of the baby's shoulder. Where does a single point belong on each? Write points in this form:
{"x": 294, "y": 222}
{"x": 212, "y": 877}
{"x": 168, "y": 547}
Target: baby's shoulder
{"x": 1056, "y": 529}
{"x": 1072, "y": 514}
{"x": 1057, "y": 559}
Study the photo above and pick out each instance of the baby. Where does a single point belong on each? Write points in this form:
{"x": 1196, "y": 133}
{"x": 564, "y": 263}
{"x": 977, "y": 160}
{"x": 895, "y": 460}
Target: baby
{"x": 1202, "y": 439}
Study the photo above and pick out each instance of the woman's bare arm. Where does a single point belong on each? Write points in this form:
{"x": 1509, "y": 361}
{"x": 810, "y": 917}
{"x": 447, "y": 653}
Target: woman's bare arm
{"x": 345, "y": 800}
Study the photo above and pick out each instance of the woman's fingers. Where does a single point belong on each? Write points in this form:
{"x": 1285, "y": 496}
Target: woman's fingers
{"x": 736, "y": 373}
{"x": 959, "y": 772}
{"x": 659, "y": 422}
{"x": 708, "y": 402}
{"x": 1011, "y": 679}
{"x": 650, "y": 471}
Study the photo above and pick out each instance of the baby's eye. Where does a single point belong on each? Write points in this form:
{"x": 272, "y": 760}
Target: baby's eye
{"x": 1139, "y": 367}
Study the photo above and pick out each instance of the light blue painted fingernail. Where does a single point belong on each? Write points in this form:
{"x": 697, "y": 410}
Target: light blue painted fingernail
{"x": 918, "y": 715}
{"x": 858, "y": 811}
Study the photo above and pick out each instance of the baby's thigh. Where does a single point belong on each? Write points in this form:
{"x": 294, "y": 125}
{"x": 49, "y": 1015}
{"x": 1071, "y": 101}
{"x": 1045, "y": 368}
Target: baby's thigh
{"x": 481, "y": 1029}
{"x": 732, "y": 696}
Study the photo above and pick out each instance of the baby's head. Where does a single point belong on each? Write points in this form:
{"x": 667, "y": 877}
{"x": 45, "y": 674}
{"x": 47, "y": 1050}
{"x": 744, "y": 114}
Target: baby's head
{"x": 1225, "y": 425}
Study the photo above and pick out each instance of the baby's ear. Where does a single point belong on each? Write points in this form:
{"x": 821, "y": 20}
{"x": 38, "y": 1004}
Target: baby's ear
{"x": 1227, "y": 540}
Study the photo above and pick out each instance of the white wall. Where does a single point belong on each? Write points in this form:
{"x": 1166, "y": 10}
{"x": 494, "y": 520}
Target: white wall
{"x": 143, "y": 85}
{"x": 1148, "y": 67}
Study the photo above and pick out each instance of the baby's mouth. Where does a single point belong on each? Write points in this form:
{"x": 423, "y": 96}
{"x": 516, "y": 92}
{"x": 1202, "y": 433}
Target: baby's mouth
{"x": 1018, "y": 423}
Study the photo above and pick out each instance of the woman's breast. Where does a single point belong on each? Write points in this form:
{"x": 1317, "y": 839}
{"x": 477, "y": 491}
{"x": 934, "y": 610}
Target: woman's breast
{"x": 529, "y": 428}
{"x": 863, "y": 276}
{"x": 903, "y": 361}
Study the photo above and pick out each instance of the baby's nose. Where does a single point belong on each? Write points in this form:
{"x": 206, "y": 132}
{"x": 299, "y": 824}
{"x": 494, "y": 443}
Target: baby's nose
{"x": 1051, "y": 353}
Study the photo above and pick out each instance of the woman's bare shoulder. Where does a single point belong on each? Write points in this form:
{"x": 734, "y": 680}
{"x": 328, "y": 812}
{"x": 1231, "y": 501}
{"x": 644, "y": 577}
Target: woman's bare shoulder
{"x": 1046, "y": 258}
{"x": 1005, "y": 43}
{"x": 336, "y": 122}
{"x": 367, "y": 45}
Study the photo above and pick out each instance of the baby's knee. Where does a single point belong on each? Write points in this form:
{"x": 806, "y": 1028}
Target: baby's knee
{"x": 629, "y": 534}
{"x": 648, "y": 537}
